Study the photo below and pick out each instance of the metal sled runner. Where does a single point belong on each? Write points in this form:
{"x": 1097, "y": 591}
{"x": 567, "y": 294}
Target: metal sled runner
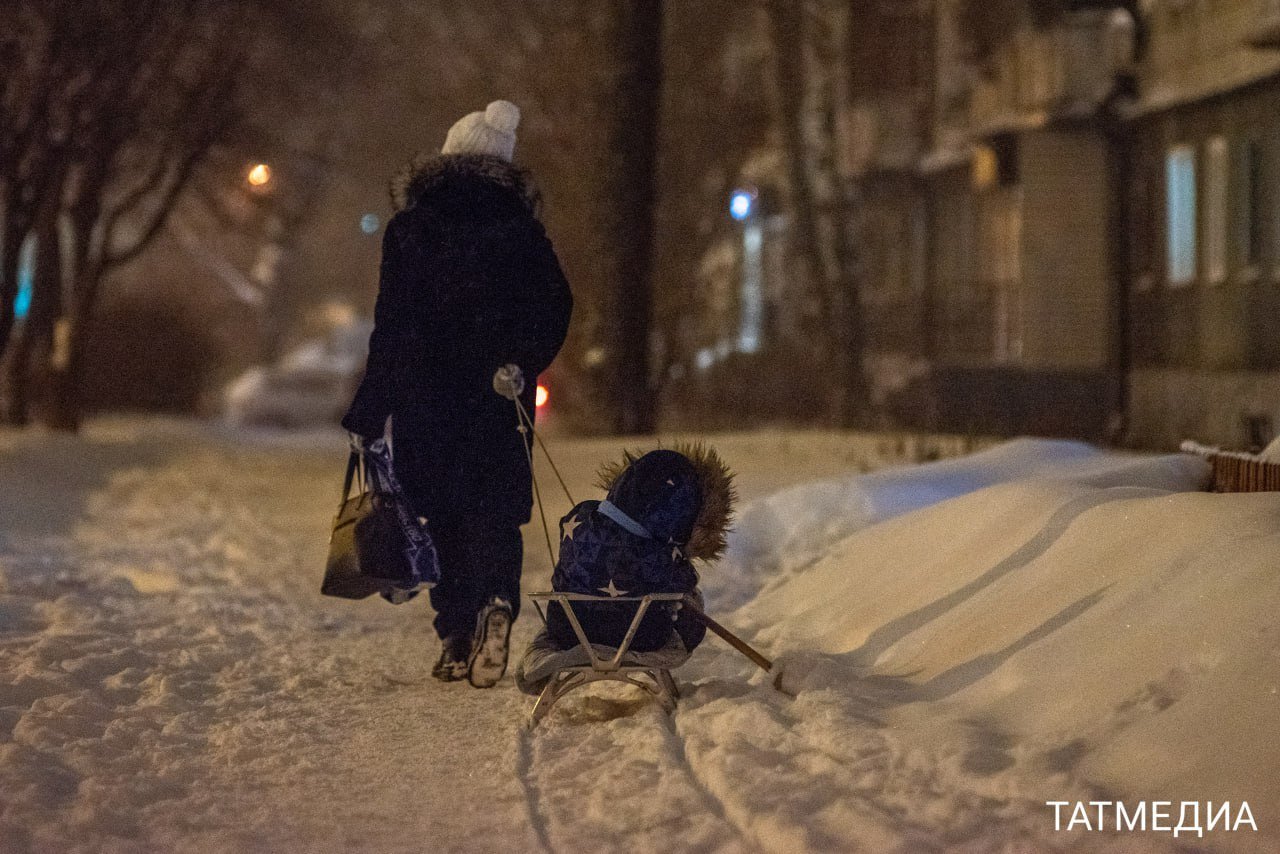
{"x": 568, "y": 669}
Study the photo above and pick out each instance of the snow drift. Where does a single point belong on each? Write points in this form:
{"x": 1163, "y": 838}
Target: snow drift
{"x": 964, "y": 640}
{"x": 1060, "y": 622}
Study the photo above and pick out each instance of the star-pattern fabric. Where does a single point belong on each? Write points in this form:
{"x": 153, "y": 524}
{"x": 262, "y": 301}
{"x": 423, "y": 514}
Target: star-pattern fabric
{"x": 612, "y": 591}
{"x": 661, "y": 495}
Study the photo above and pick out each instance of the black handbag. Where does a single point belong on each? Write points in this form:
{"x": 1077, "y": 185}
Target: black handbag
{"x": 377, "y": 545}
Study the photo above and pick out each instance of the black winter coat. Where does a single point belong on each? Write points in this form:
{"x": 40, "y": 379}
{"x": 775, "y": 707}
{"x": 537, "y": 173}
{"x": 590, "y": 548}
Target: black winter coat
{"x": 469, "y": 282}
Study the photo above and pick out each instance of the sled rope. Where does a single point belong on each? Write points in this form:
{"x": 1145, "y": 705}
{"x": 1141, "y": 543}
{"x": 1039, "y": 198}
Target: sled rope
{"x": 525, "y": 419}
{"x": 537, "y": 493}
{"x": 526, "y": 425}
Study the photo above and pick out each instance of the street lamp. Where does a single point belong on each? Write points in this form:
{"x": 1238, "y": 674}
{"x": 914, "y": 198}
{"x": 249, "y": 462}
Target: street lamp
{"x": 741, "y": 204}
{"x": 259, "y": 175}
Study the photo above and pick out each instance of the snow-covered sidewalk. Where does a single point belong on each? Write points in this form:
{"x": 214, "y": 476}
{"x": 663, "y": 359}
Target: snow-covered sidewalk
{"x": 965, "y": 640}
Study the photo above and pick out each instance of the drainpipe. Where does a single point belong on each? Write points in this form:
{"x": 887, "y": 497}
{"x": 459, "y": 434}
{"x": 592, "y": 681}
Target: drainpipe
{"x": 1122, "y": 150}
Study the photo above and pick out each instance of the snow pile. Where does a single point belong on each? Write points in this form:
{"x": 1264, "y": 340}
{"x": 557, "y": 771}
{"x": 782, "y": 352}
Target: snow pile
{"x": 785, "y": 532}
{"x": 962, "y": 641}
{"x": 1089, "y": 625}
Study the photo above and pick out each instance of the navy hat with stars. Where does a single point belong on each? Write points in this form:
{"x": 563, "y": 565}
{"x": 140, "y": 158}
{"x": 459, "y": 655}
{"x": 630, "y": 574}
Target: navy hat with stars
{"x": 661, "y": 491}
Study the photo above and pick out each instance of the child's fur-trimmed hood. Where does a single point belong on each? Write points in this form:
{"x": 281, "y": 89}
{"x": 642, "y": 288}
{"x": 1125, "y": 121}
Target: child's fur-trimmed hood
{"x": 711, "y": 528}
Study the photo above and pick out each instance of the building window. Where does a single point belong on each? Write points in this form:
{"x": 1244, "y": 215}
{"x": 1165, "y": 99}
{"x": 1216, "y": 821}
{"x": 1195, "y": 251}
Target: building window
{"x": 1249, "y": 227}
{"x": 1216, "y": 170}
{"x": 1000, "y": 268}
{"x": 1180, "y": 214}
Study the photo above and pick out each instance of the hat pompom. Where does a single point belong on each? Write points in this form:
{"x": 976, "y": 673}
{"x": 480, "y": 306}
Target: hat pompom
{"x": 502, "y": 116}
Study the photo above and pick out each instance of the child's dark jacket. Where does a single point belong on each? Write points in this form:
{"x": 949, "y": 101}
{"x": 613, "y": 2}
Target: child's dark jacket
{"x": 662, "y": 510}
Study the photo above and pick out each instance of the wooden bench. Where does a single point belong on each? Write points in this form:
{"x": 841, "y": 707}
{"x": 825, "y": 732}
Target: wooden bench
{"x": 1236, "y": 471}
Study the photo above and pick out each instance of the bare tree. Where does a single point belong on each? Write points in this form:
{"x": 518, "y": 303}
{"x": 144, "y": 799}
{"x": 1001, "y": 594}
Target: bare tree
{"x": 635, "y": 149}
{"x": 30, "y": 350}
{"x": 787, "y": 33}
{"x": 846, "y": 218}
{"x": 163, "y": 104}
{"x": 114, "y": 107}
{"x": 811, "y": 69}
{"x": 43, "y": 90}
{"x": 118, "y": 105}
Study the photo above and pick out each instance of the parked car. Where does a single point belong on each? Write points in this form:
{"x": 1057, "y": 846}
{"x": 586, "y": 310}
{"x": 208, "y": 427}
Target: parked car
{"x": 310, "y": 386}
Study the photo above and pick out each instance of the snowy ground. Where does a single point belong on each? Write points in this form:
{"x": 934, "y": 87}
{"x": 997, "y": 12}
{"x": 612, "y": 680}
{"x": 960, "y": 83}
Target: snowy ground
{"x": 964, "y": 641}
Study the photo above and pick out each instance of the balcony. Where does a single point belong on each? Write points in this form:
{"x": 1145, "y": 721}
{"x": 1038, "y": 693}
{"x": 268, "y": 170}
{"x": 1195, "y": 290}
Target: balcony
{"x": 1067, "y": 69}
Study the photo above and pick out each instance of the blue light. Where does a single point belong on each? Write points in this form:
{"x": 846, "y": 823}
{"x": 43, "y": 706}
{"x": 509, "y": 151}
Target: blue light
{"x": 22, "y": 303}
{"x": 26, "y": 265}
{"x": 369, "y": 223}
{"x": 741, "y": 204}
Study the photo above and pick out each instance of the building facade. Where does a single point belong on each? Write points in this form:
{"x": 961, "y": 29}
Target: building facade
{"x": 1067, "y": 218}
{"x": 1204, "y": 228}
{"x": 1086, "y": 241}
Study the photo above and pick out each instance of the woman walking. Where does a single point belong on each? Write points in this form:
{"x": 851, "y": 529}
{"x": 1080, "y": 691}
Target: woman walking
{"x": 472, "y": 306}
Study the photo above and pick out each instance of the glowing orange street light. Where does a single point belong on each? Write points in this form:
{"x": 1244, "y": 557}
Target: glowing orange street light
{"x": 540, "y": 397}
{"x": 259, "y": 175}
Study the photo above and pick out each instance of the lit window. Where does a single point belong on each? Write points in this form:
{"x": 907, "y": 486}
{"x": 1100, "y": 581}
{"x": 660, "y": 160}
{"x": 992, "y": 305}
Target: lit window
{"x": 1216, "y": 166}
{"x": 1180, "y": 210}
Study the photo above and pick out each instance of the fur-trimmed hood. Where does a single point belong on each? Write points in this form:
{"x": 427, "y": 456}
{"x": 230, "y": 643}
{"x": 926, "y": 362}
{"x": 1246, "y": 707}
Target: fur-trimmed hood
{"x": 428, "y": 174}
{"x": 710, "y": 529}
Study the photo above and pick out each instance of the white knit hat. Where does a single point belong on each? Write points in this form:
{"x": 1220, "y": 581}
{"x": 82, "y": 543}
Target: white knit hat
{"x": 492, "y": 132}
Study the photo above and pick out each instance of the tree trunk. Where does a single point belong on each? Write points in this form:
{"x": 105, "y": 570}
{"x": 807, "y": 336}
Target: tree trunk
{"x": 846, "y": 311}
{"x": 31, "y": 346}
{"x": 71, "y": 329}
{"x": 786, "y": 25}
{"x": 67, "y": 368}
{"x": 637, "y": 124}
{"x": 848, "y": 226}
{"x": 833, "y": 276}
{"x": 10, "y": 259}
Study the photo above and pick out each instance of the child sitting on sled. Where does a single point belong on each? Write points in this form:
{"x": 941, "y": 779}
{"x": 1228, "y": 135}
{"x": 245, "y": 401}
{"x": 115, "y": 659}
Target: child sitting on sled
{"x": 663, "y": 510}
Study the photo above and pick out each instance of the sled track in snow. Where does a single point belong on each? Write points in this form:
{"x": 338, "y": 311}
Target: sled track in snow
{"x": 524, "y": 761}
{"x": 612, "y": 772}
{"x": 714, "y": 804}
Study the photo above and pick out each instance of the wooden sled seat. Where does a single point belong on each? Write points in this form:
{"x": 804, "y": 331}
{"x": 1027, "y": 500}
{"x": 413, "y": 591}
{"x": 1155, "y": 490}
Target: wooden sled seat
{"x": 551, "y": 672}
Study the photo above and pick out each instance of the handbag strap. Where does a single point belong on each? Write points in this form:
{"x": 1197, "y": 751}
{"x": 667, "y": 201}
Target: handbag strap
{"x": 354, "y": 463}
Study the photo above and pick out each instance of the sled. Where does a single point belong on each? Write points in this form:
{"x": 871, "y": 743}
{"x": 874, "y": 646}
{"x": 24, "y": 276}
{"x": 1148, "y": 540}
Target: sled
{"x": 566, "y": 670}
